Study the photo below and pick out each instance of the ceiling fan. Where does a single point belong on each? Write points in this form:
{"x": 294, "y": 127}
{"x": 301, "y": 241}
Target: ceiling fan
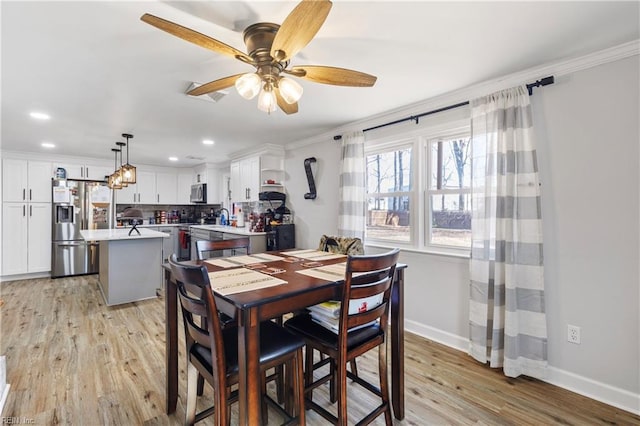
{"x": 270, "y": 48}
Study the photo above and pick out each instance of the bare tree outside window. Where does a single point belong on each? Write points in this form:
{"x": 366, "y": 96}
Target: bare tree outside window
{"x": 389, "y": 188}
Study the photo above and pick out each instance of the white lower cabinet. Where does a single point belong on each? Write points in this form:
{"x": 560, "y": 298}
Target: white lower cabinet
{"x": 26, "y": 238}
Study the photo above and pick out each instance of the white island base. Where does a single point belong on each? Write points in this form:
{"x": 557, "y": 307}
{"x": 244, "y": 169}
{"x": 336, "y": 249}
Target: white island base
{"x": 130, "y": 266}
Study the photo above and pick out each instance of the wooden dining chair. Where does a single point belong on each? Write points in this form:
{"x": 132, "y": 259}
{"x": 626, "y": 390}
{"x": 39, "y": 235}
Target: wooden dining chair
{"x": 212, "y": 352}
{"x": 360, "y": 330}
{"x": 205, "y": 248}
{"x": 342, "y": 245}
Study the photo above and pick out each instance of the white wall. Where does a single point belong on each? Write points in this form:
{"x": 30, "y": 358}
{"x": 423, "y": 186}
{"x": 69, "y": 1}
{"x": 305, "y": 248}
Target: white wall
{"x": 320, "y": 216}
{"x": 587, "y": 131}
{"x": 588, "y": 153}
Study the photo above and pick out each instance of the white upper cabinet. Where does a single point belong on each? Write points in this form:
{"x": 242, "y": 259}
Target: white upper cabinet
{"x": 253, "y": 175}
{"x": 85, "y": 171}
{"x": 150, "y": 188}
{"x": 25, "y": 180}
{"x": 166, "y": 188}
{"x": 245, "y": 179}
{"x": 185, "y": 180}
{"x": 212, "y": 176}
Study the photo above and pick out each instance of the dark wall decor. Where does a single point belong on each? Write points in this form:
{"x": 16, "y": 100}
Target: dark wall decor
{"x": 311, "y": 195}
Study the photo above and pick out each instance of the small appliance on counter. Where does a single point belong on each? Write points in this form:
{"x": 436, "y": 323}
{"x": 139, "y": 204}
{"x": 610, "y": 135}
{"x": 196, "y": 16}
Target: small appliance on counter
{"x": 281, "y": 234}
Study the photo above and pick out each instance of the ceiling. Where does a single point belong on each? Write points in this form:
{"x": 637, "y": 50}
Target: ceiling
{"x": 99, "y": 71}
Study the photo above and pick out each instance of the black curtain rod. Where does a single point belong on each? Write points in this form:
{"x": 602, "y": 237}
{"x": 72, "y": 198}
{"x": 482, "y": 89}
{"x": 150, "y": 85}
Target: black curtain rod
{"x": 539, "y": 83}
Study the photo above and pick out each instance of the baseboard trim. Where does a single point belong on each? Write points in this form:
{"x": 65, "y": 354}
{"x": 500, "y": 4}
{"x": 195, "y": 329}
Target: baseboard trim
{"x": 610, "y": 395}
{"x": 18, "y": 277}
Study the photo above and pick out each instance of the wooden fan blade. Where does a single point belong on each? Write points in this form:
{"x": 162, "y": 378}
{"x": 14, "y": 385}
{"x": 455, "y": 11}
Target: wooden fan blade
{"x": 193, "y": 36}
{"x": 214, "y": 86}
{"x": 299, "y": 28}
{"x": 284, "y": 106}
{"x": 333, "y": 75}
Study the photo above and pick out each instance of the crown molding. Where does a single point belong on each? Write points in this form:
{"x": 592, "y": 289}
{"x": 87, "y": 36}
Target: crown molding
{"x": 557, "y": 68}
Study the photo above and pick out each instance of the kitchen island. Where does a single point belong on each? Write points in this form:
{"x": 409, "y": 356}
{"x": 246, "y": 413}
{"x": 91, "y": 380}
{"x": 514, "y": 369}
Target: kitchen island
{"x": 130, "y": 265}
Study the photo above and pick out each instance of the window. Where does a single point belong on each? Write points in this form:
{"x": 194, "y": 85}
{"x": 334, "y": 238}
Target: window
{"x": 419, "y": 191}
{"x": 448, "y": 195}
{"x": 389, "y": 186}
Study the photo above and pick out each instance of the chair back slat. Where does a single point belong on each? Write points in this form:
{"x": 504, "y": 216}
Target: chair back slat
{"x": 366, "y": 317}
{"x": 204, "y": 248}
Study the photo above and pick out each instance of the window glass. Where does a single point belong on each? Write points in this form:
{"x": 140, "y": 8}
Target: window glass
{"x": 388, "y": 218}
{"x": 454, "y": 157}
{"x": 389, "y": 187}
{"x": 451, "y": 220}
{"x": 449, "y": 192}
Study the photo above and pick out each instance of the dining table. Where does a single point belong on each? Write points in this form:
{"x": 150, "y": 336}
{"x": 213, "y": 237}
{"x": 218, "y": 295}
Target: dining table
{"x": 299, "y": 286}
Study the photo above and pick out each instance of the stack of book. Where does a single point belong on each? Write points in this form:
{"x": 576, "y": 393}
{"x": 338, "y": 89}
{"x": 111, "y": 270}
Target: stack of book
{"x": 327, "y": 314}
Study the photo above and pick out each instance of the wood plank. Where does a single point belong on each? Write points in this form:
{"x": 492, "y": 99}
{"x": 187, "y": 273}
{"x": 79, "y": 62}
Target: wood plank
{"x": 73, "y": 360}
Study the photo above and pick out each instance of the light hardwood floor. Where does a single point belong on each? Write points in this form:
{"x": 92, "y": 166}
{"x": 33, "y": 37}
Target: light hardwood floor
{"x": 73, "y": 360}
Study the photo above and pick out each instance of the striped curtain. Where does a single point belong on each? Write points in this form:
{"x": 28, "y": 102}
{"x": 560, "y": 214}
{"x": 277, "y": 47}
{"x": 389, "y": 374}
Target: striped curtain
{"x": 352, "y": 194}
{"x": 506, "y": 308}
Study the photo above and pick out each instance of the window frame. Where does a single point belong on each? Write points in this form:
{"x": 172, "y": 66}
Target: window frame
{"x": 420, "y": 208}
{"x": 429, "y": 191}
{"x": 386, "y": 148}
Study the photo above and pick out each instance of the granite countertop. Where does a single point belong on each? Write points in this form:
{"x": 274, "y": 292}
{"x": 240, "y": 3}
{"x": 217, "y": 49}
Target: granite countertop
{"x": 119, "y": 234}
{"x": 227, "y": 229}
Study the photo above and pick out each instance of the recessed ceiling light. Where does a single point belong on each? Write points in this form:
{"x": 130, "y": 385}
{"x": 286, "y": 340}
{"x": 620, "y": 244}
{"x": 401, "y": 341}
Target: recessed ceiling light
{"x": 173, "y": 158}
{"x": 208, "y": 142}
{"x": 47, "y": 145}
{"x": 39, "y": 115}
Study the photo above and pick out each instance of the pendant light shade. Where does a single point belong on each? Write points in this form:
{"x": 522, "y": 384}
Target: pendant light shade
{"x": 115, "y": 180}
{"x": 128, "y": 172}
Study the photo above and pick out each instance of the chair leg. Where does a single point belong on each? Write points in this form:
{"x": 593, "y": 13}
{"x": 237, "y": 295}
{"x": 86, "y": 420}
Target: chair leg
{"x": 263, "y": 387}
{"x": 308, "y": 369}
{"x": 192, "y": 386}
{"x": 354, "y": 367}
{"x": 200, "y": 384}
{"x": 297, "y": 374}
{"x": 279, "y": 371}
{"x": 384, "y": 382}
{"x": 332, "y": 382}
{"x": 341, "y": 379}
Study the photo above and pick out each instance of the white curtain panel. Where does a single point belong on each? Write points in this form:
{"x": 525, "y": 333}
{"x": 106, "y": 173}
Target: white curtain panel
{"x": 352, "y": 194}
{"x": 506, "y": 308}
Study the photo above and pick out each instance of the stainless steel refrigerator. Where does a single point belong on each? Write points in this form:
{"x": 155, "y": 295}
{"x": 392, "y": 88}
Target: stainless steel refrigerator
{"x": 78, "y": 205}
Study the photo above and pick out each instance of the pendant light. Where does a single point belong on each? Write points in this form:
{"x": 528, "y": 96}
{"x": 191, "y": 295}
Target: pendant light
{"x": 115, "y": 180}
{"x": 128, "y": 171}
{"x": 121, "y": 169}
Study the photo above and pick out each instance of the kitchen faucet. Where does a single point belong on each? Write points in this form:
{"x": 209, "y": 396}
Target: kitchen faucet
{"x": 221, "y": 216}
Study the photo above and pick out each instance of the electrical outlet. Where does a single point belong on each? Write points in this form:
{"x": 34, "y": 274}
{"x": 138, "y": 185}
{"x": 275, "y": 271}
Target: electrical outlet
{"x": 573, "y": 334}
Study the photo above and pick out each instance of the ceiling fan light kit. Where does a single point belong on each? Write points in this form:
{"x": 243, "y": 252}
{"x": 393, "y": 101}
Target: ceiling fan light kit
{"x": 249, "y": 85}
{"x": 270, "y": 48}
{"x": 267, "y": 101}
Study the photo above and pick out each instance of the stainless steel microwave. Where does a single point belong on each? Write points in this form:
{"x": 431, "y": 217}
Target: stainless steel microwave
{"x": 198, "y": 193}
